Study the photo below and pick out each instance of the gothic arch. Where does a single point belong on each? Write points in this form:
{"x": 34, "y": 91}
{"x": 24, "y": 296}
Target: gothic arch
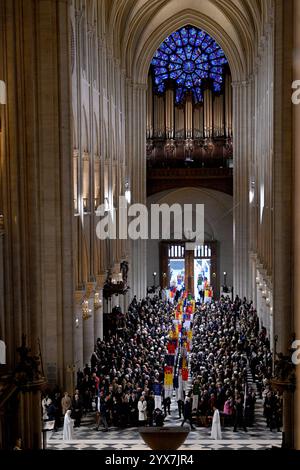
{"x": 141, "y": 27}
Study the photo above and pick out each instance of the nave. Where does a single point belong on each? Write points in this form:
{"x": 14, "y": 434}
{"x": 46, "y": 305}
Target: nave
{"x": 228, "y": 363}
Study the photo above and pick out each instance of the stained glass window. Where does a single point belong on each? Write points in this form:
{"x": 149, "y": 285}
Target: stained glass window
{"x": 190, "y": 57}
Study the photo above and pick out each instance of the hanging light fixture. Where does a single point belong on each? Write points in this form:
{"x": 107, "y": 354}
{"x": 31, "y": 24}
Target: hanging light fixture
{"x": 86, "y": 311}
{"x": 97, "y": 301}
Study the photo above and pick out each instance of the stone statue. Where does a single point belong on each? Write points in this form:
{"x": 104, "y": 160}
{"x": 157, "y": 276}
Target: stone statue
{"x": 124, "y": 271}
{"x": 27, "y": 370}
{"x": 284, "y": 369}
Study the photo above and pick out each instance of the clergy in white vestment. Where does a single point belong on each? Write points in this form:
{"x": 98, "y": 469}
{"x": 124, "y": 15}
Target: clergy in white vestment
{"x": 68, "y": 427}
{"x": 216, "y": 426}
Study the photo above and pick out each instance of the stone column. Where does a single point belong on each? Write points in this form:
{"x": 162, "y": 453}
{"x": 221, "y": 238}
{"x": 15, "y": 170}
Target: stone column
{"x": 37, "y": 179}
{"x": 78, "y": 330}
{"x": 98, "y": 321}
{"x": 282, "y": 176}
{"x": 88, "y": 325}
{"x": 296, "y": 215}
{"x": 136, "y": 148}
{"x": 242, "y": 150}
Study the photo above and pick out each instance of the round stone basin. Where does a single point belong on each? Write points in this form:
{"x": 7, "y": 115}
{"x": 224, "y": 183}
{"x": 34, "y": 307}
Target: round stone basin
{"x": 164, "y": 438}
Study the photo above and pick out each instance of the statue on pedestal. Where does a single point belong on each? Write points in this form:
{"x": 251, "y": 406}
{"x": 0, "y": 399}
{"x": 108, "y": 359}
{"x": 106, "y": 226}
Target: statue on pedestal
{"x": 28, "y": 368}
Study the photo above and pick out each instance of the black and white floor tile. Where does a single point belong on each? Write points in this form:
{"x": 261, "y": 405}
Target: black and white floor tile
{"x": 259, "y": 437}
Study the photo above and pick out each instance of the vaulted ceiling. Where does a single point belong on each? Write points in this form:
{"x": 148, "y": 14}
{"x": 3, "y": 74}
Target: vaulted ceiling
{"x": 137, "y": 27}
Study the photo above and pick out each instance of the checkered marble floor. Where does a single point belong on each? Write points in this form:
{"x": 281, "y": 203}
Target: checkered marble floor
{"x": 86, "y": 437}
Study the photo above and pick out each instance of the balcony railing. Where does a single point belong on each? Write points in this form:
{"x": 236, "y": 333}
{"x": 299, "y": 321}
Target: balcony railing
{"x": 191, "y": 153}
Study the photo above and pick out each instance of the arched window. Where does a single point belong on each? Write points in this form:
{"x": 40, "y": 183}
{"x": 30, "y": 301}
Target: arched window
{"x": 193, "y": 60}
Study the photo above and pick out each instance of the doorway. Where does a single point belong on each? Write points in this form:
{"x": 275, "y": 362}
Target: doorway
{"x": 195, "y": 270}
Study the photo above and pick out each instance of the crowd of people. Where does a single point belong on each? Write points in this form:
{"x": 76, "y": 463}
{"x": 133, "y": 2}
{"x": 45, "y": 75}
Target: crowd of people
{"x": 123, "y": 384}
{"x": 227, "y": 344}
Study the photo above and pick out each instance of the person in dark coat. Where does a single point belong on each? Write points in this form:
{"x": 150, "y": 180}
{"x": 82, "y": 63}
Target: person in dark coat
{"x": 239, "y": 419}
{"x": 187, "y": 413}
{"x": 77, "y": 410}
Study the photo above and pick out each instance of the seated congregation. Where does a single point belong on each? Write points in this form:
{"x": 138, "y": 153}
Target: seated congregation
{"x": 230, "y": 367}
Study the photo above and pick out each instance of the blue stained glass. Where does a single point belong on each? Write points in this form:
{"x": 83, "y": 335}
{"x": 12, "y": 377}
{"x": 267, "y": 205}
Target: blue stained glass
{"x": 192, "y": 41}
{"x": 204, "y": 66}
{"x": 217, "y": 70}
{"x": 160, "y": 70}
{"x": 179, "y": 95}
{"x": 181, "y": 79}
{"x": 188, "y": 51}
{"x": 189, "y": 56}
{"x": 217, "y": 78}
{"x": 174, "y": 66}
{"x": 189, "y": 66}
{"x": 196, "y": 78}
{"x": 170, "y": 43}
{"x": 181, "y": 54}
{"x": 161, "y": 55}
{"x": 202, "y": 74}
{"x": 175, "y": 75}
{"x": 174, "y": 58}
{"x": 184, "y": 32}
{"x": 198, "y": 94}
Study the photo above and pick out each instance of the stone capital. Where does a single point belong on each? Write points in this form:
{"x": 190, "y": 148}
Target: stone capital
{"x": 90, "y": 287}
{"x": 79, "y": 296}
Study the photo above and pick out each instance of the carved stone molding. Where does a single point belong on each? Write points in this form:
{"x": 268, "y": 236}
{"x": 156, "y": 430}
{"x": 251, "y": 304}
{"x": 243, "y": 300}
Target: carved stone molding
{"x": 90, "y": 287}
{"x": 79, "y": 296}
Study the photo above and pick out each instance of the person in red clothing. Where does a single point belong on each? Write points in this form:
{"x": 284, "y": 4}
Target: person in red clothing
{"x": 96, "y": 382}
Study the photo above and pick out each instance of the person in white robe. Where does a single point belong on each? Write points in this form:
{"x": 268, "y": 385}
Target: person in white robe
{"x": 216, "y": 426}
{"x": 68, "y": 434}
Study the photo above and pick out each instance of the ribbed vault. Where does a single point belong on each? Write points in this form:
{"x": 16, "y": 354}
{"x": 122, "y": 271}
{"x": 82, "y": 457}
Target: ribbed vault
{"x": 140, "y": 26}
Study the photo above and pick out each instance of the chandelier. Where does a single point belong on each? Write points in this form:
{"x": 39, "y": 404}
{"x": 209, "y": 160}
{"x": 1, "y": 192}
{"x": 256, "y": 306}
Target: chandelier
{"x": 97, "y": 301}
{"x": 86, "y": 311}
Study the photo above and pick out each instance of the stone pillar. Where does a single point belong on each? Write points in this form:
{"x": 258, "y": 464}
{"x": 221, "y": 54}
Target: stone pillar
{"x": 242, "y": 150}
{"x": 296, "y": 215}
{"x": 37, "y": 179}
{"x": 88, "y": 326}
{"x": 78, "y": 330}
{"x": 98, "y": 320}
{"x": 282, "y": 176}
{"x": 136, "y": 148}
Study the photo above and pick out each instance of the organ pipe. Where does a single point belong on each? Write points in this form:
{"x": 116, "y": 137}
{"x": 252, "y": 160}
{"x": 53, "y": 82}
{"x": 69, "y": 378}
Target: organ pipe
{"x": 159, "y": 116}
{"x": 179, "y": 122}
{"x": 208, "y": 114}
{"x": 212, "y": 117}
{"x": 189, "y": 117}
{"x": 170, "y": 114}
{"x": 149, "y": 109}
{"x": 218, "y": 116}
{"x": 198, "y": 121}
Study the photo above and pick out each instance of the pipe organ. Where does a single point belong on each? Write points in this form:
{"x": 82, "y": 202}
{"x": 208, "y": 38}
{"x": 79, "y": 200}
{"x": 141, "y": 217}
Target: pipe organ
{"x": 189, "y": 120}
